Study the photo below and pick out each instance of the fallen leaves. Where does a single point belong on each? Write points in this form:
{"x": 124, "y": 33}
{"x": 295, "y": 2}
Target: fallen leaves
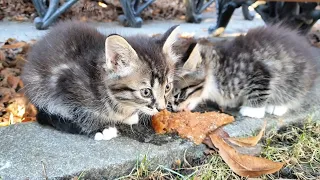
{"x": 248, "y": 141}
{"x": 314, "y": 38}
{"x": 242, "y": 164}
{"x": 14, "y": 107}
{"x": 101, "y": 11}
{"x": 14, "y": 45}
{"x": 206, "y": 128}
{"x": 17, "y": 10}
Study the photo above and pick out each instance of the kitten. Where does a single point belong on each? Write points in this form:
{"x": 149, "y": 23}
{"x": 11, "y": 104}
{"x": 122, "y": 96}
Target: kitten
{"x": 270, "y": 69}
{"x": 82, "y": 81}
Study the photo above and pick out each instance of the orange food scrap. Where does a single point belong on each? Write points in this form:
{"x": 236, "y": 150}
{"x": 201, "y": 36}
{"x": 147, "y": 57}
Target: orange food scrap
{"x": 192, "y": 125}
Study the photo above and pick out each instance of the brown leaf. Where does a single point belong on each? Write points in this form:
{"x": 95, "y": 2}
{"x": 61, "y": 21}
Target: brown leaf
{"x": 243, "y": 165}
{"x": 15, "y": 45}
{"x": 20, "y": 18}
{"x": 314, "y": 39}
{"x": 6, "y": 123}
{"x": 83, "y": 19}
{"x": 186, "y": 35}
{"x": 2, "y": 56}
{"x": 6, "y": 94}
{"x": 13, "y": 81}
{"x": 28, "y": 119}
{"x": 31, "y": 111}
{"x": 248, "y": 141}
{"x": 17, "y": 106}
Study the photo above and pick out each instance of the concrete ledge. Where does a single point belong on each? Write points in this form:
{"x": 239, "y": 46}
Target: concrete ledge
{"x": 26, "y": 148}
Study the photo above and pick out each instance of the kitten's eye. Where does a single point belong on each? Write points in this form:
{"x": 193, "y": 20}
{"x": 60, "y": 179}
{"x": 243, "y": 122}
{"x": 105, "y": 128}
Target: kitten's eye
{"x": 168, "y": 87}
{"x": 146, "y": 92}
{"x": 177, "y": 96}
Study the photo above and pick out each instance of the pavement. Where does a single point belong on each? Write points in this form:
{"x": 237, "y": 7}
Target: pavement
{"x": 31, "y": 151}
{"x": 27, "y": 31}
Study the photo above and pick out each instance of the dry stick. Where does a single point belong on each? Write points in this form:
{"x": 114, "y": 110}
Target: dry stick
{"x": 44, "y": 170}
{"x": 185, "y": 159}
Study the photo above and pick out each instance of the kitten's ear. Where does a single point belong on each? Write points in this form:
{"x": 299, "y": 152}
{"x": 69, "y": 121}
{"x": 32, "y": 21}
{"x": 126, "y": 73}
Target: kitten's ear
{"x": 119, "y": 52}
{"x": 172, "y": 36}
{"x": 194, "y": 59}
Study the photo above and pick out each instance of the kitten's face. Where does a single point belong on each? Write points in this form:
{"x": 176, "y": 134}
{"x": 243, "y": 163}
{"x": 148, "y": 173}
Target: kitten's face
{"x": 188, "y": 83}
{"x": 144, "y": 90}
{"x": 141, "y": 71}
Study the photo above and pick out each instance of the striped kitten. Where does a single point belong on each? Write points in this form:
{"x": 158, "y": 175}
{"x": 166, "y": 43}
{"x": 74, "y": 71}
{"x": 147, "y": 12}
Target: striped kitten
{"x": 82, "y": 81}
{"x": 270, "y": 69}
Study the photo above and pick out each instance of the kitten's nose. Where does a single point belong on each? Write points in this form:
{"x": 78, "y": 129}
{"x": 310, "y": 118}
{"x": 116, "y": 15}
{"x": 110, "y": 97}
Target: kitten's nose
{"x": 160, "y": 109}
{"x": 161, "y": 106}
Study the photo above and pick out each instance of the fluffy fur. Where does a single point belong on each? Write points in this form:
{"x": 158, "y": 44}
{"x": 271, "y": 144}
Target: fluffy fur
{"x": 81, "y": 81}
{"x": 270, "y": 69}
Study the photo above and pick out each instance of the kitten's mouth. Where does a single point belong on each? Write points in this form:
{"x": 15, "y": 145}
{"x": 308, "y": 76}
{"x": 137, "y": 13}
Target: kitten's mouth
{"x": 149, "y": 111}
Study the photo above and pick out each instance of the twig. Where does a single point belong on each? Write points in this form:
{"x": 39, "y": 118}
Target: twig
{"x": 44, "y": 170}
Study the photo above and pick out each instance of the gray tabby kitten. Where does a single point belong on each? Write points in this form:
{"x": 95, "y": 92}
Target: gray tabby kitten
{"x": 82, "y": 81}
{"x": 270, "y": 69}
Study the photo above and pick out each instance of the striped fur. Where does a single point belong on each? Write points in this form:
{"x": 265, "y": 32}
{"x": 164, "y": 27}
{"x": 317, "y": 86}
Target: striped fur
{"x": 81, "y": 80}
{"x": 270, "y": 69}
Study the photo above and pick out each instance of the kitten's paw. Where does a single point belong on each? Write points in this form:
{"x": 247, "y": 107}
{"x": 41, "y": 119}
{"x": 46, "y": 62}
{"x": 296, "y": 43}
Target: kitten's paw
{"x": 98, "y": 136}
{"x": 188, "y": 105}
{"x": 106, "y": 134}
{"x": 134, "y": 119}
{"x": 276, "y": 110}
{"x": 110, "y": 133}
{"x": 253, "y": 112}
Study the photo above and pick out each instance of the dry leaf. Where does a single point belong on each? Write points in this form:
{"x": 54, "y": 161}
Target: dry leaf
{"x": 17, "y": 106}
{"x": 2, "y": 56}
{"x": 84, "y": 19}
{"x": 248, "y": 141}
{"x": 20, "y": 18}
{"x": 6, "y": 123}
{"x": 31, "y": 111}
{"x": 183, "y": 17}
{"x": 243, "y": 165}
{"x": 314, "y": 39}
{"x": 186, "y": 35}
{"x": 14, "y": 107}
{"x": 13, "y": 81}
{"x": 15, "y": 45}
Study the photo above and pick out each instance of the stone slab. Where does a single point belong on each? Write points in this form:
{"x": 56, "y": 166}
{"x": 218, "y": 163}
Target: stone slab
{"x": 27, "y": 149}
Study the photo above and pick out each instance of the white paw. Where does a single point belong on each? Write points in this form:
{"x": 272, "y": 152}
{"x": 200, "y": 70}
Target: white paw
{"x": 276, "y": 110}
{"x": 134, "y": 119}
{"x": 106, "y": 134}
{"x": 189, "y": 105}
{"x": 253, "y": 112}
{"x": 98, "y": 136}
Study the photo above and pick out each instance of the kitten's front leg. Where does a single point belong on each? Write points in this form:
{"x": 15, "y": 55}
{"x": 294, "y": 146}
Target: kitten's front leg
{"x": 189, "y": 104}
{"x": 134, "y": 119}
{"x": 276, "y": 110}
{"x": 112, "y": 132}
{"x": 253, "y": 112}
